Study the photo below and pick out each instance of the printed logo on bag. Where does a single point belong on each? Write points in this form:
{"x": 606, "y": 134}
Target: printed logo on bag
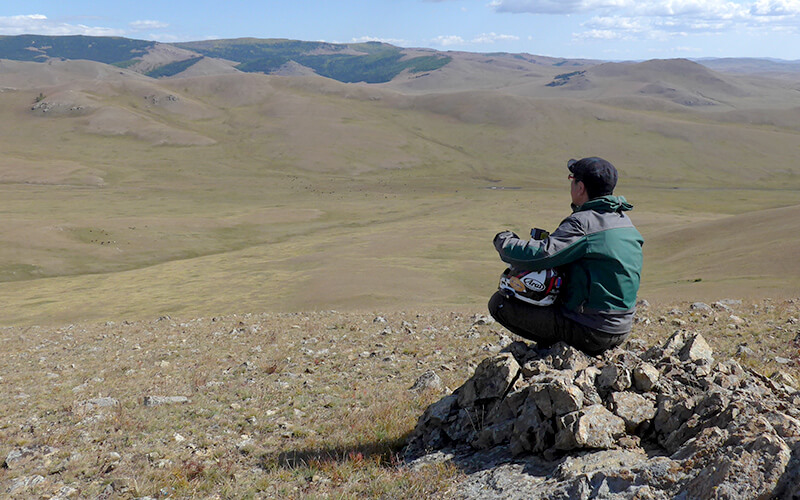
{"x": 533, "y": 283}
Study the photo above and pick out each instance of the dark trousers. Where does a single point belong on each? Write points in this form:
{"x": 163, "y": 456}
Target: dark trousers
{"x": 546, "y": 325}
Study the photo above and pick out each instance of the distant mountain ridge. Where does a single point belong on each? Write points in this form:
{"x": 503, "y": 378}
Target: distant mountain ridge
{"x": 103, "y": 49}
{"x": 370, "y": 62}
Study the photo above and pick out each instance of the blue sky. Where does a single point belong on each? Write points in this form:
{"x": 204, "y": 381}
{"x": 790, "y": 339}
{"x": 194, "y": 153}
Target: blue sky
{"x": 597, "y": 29}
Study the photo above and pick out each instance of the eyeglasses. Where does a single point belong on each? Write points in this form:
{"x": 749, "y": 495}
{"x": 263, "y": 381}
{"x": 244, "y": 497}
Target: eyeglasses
{"x": 571, "y": 177}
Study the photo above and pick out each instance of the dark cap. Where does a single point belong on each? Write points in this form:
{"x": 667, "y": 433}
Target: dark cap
{"x": 598, "y": 175}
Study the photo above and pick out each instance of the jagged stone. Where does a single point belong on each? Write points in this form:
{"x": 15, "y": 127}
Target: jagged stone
{"x": 18, "y": 457}
{"x": 745, "y": 352}
{"x": 565, "y": 397}
{"x": 519, "y": 350}
{"x": 635, "y": 345}
{"x": 541, "y": 396}
{"x": 494, "y": 435}
{"x": 508, "y": 408}
{"x": 696, "y": 417}
{"x": 786, "y": 426}
{"x": 463, "y": 428}
{"x": 23, "y": 483}
{"x": 492, "y": 378}
{"x": 645, "y": 377}
{"x": 428, "y": 380}
{"x": 784, "y": 378}
{"x": 565, "y": 357}
{"x": 441, "y": 411}
{"x": 632, "y": 408}
{"x": 754, "y": 465}
{"x": 592, "y": 427}
{"x": 585, "y": 381}
{"x": 614, "y": 377}
{"x": 670, "y": 348}
{"x": 696, "y": 349}
{"x": 532, "y": 431}
{"x": 534, "y": 367}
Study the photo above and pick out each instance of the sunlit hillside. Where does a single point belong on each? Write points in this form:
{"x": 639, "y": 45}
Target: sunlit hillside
{"x": 126, "y": 196}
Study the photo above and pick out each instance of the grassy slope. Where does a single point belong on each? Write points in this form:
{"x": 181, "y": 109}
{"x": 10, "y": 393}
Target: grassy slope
{"x": 311, "y": 194}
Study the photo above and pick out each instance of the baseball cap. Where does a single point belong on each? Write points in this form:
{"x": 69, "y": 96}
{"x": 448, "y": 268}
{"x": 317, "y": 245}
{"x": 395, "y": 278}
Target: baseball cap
{"x": 598, "y": 175}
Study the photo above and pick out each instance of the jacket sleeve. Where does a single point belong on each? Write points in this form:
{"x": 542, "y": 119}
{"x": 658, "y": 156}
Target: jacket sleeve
{"x": 566, "y": 244}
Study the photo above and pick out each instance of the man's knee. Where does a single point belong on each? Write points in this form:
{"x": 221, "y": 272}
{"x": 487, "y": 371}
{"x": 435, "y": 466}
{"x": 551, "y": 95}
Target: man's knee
{"x": 495, "y": 305}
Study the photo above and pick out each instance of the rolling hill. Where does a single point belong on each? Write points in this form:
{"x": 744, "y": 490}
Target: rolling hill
{"x": 128, "y": 196}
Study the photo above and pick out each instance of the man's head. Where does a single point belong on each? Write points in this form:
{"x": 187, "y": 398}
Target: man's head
{"x": 591, "y": 178}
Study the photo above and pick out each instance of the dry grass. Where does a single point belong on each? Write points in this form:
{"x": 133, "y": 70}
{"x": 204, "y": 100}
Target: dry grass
{"x": 304, "y": 405}
{"x": 286, "y": 405}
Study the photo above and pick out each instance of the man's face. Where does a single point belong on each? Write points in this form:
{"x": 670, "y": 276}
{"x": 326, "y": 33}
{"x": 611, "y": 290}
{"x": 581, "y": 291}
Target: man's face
{"x": 577, "y": 191}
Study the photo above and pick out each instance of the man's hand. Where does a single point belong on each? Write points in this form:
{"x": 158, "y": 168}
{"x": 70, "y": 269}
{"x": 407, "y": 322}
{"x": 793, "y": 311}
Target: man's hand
{"x": 501, "y": 237}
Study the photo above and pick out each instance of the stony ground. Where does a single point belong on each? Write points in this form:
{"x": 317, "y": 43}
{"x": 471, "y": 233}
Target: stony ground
{"x": 313, "y": 404}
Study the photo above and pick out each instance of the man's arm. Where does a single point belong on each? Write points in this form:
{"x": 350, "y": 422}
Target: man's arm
{"x": 566, "y": 244}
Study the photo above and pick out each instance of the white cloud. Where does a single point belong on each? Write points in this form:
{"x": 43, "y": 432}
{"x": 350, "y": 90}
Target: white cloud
{"x": 148, "y": 25}
{"x": 493, "y": 37}
{"x": 482, "y": 39}
{"x": 618, "y": 23}
{"x": 392, "y": 41}
{"x": 599, "y": 35}
{"x": 557, "y": 6}
{"x": 694, "y": 50}
{"x": 40, "y": 25}
{"x": 664, "y": 19}
{"x": 705, "y": 9}
{"x": 683, "y": 15}
{"x": 776, "y": 8}
{"x": 448, "y": 40}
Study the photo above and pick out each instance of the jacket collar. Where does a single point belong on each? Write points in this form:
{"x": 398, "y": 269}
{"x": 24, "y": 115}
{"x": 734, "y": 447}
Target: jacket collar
{"x": 608, "y": 203}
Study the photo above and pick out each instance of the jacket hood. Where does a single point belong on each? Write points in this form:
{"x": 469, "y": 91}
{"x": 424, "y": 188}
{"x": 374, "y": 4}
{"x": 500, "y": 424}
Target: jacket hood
{"x": 608, "y": 203}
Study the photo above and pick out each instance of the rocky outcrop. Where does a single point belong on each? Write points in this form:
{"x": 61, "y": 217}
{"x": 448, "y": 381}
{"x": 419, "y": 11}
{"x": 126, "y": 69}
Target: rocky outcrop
{"x": 660, "y": 423}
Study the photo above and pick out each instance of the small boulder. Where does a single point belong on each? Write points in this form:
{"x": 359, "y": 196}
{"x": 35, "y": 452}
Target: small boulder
{"x": 645, "y": 377}
{"x": 164, "y": 400}
{"x": 614, "y": 377}
{"x": 632, "y": 408}
{"x": 783, "y": 378}
{"x": 592, "y": 427}
{"x": 492, "y": 378}
{"x": 565, "y": 397}
{"x": 696, "y": 349}
{"x": 428, "y": 380}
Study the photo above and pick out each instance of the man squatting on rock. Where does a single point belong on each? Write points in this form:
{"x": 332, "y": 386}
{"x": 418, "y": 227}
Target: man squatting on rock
{"x": 598, "y": 252}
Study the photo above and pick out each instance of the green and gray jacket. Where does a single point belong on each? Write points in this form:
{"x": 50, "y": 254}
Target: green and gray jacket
{"x": 598, "y": 251}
